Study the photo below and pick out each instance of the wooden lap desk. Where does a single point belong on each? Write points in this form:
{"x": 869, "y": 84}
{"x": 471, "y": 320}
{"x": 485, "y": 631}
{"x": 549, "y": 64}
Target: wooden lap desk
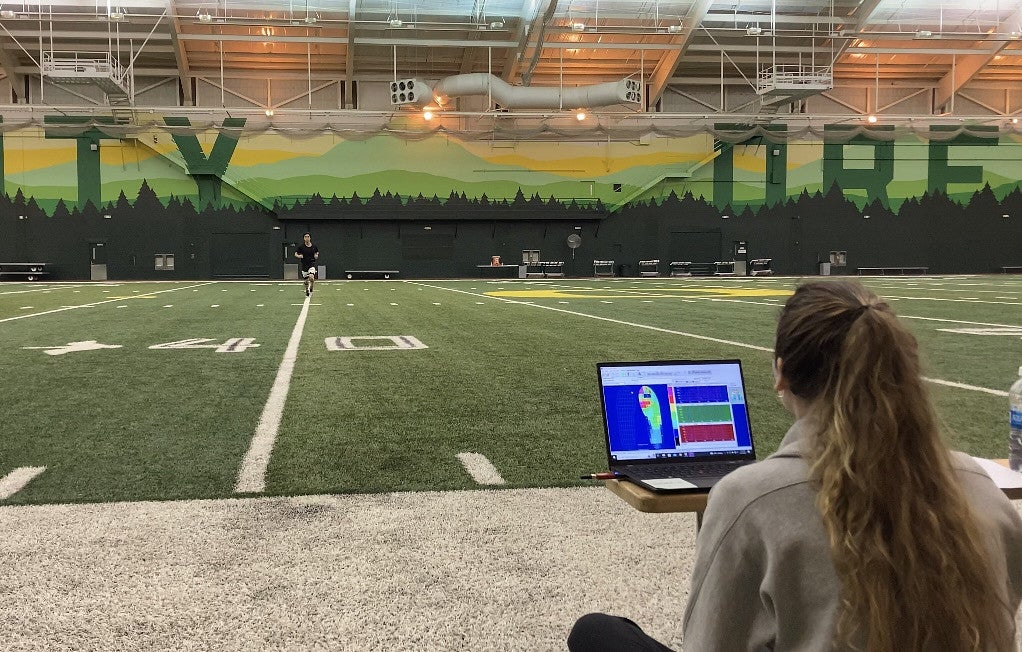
{"x": 645, "y": 500}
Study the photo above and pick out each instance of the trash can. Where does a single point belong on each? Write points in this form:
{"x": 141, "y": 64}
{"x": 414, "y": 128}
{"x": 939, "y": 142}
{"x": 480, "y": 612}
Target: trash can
{"x": 824, "y": 269}
{"x": 624, "y": 270}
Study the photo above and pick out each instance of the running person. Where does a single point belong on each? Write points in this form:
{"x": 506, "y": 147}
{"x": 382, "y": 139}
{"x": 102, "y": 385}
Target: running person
{"x": 309, "y": 253}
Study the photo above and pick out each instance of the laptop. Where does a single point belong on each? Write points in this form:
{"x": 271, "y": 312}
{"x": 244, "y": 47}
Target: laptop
{"x": 675, "y": 426}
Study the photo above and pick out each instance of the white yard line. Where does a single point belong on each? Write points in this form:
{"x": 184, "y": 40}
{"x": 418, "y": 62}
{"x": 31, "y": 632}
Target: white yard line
{"x": 607, "y": 319}
{"x": 963, "y": 300}
{"x": 936, "y": 381}
{"x": 16, "y": 480}
{"x": 480, "y": 468}
{"x": 252, "y": 476}
{"x": 99, "y": 303}
{"x": 959, "y": 321}
{"x": 43, "y": 289}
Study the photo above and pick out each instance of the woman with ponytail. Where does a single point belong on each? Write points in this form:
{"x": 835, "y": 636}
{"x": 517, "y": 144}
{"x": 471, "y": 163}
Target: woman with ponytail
{"x": 863, "y": 531}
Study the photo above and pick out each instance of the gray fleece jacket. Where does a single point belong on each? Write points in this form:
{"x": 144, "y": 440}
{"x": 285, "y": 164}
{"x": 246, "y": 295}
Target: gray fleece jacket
{"x": 763, "y": 577}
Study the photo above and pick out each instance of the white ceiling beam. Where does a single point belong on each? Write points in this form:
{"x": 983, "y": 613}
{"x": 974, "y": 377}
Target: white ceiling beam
{"x": 964, "y": 68}
{"x": 855, "y": 23}
{"x": 526, "y": 28}
{"x": 10, "y": 69}
{"x": 665, "y": 67}
{"x": 180, "y": 55}
{"x": 256, "y": 38}
{"x": 349, "y": 58}
{"x": 74, "y": 35}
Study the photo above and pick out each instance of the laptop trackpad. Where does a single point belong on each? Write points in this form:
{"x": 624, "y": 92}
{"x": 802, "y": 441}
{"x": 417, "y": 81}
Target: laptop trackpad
{"x": 670, "y": 483}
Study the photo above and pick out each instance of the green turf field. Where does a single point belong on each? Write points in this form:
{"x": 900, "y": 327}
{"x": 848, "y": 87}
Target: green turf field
{"x": 509, "y": 373}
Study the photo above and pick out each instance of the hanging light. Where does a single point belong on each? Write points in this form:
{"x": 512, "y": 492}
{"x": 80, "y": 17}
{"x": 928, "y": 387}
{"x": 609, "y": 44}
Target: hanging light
{"x": 580, "y": 115}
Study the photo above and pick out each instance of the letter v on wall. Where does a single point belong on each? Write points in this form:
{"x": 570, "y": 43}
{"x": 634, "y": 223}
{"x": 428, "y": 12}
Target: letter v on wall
{"x": 207, "y": 172}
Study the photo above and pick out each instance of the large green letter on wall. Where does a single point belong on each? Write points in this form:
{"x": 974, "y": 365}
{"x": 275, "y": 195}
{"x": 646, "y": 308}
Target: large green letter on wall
{"x": 89, "y": 182}
{"x": 776, "y": 182}
{"x": 940, "y": 173}
{"x": 874, "y": 181}
{"x": 207, "y": 172}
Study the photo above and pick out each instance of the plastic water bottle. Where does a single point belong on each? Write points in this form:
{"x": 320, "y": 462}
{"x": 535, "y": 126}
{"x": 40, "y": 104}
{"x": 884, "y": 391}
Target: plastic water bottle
{"x": 1015, "y": 438}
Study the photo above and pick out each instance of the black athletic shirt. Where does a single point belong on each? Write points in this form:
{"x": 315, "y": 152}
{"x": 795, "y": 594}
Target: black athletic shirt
{"x": 308, "y": 255}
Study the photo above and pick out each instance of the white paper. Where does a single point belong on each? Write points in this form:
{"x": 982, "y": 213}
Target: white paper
{"x": 670, "y": 483}
{"x": 1002, "y": 476}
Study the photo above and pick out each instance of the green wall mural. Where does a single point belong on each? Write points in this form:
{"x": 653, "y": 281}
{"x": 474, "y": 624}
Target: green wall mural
{"x": 80, "y": 160}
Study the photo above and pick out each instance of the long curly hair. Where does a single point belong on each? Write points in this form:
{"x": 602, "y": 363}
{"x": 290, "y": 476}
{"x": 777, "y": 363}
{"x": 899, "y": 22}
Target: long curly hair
{"x": 906, "y": 546}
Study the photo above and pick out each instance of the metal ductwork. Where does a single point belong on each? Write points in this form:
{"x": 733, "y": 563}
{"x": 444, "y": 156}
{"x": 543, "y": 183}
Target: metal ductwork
{"x": 418, "y": 93}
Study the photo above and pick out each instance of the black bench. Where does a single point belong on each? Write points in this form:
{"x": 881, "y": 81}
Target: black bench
{"x": 649, "y": 267}
{"x": 603, "y": 268}
{"x": 702, "y": 269}
{"x": 23, "y": 271}
{"x": 370, "y": 273}
{"x": 545, "y": 269}
{"x": 1012, "y": 269}
{"x": 724, "y": 268}
{"x": 681, "y": 268}
{"x": 760, "y": 267}
{"x": 888, "y": 271}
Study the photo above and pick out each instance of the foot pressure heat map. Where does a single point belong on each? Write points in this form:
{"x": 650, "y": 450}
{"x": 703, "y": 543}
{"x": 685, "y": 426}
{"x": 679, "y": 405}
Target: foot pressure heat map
{"x": 675, "y": 410}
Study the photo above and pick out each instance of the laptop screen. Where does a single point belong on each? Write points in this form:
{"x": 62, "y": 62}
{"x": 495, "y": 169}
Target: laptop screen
{"x": 684, "y": 409}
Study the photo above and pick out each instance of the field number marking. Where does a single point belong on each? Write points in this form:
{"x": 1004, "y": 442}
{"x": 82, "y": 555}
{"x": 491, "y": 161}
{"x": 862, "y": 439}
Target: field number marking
{"x": 16, "y": 480}
{"x": 232, "y": 345}
{"x": 74, "y": 347}
{"x": 397, "y": 343}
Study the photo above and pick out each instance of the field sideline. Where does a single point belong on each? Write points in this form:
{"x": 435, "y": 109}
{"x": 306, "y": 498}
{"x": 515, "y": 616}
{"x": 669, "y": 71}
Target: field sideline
{"x": 153, "y": 391}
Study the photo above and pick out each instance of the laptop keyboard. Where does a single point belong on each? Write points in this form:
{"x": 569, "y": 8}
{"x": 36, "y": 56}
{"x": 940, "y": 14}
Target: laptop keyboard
{"x": 705, "y": 469}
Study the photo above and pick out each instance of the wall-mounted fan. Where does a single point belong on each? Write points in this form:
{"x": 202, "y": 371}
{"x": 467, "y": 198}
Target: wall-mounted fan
{"x": 574, "y": 242}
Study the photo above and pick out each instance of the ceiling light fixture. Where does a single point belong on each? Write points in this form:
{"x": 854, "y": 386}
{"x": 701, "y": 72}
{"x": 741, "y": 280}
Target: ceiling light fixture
{"x": 205, "y": 17}
{"x": 497, "y": 24}
{"x": 871, "y": 119}
{"x": 310, "y": 20}
{"x": 115, "y": 16}
{"x": 755, "y": 30}
{"x": 7, "y": 14}
{"x": 924, "y": 33}
{"x": 580, "y": 116}
{"x": 578, "y": 27}
{"x": 427, "y": 115}
{"x": 269, "y": 113}
{"x": 674, "y": 29}
{"x": 396, "y": 22}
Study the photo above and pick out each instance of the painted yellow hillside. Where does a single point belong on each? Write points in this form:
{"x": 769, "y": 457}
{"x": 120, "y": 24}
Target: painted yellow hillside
{"x": 584, "y": 167}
